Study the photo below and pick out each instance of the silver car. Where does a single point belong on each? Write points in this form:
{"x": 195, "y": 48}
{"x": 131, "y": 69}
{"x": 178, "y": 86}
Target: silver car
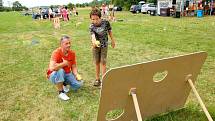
{"x": 147, "y": 8}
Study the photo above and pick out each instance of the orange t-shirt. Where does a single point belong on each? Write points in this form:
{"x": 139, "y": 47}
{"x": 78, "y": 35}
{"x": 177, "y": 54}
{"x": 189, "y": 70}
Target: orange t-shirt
{"x": 58, "y": 57}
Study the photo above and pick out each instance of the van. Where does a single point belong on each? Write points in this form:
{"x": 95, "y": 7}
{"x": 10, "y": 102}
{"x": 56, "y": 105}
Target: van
{"x": 147, "y": 8}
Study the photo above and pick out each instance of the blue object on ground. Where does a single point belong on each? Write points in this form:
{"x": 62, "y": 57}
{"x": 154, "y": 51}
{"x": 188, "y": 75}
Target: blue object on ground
{"x": 199, "y": 13}
{"x": 34, "y": 42}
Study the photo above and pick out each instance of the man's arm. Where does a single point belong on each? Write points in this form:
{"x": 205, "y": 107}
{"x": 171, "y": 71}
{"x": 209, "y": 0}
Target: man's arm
{"x": 56, "y": 66}
{"x": 74, "y": 70}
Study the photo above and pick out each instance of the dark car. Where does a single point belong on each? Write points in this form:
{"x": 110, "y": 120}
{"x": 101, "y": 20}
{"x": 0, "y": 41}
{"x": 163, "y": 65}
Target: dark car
{"x": 45, "y": 13}
{"x": 135, "y": 9}
{"x": 36, "y": 16}
{"x": 117, "y": 8}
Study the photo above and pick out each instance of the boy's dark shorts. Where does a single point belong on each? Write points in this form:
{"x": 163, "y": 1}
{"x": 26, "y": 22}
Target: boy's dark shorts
{"x": 100, "y": 54}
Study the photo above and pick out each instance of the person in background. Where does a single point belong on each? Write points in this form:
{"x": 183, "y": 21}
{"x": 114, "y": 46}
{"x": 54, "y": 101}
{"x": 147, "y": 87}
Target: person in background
{"x": 65, "y": 18}
{"x": 50, "y": 13}
{"x": 67, "y": 12}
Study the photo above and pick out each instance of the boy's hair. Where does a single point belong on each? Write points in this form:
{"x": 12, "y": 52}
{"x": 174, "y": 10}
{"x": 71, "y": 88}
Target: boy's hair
{"x": 96, "y": 12}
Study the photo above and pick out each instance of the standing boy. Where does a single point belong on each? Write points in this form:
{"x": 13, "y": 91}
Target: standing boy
{"x": 99, "y": 30}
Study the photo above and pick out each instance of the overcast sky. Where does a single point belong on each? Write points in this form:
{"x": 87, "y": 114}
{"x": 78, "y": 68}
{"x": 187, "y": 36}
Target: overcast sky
{"x": 32, "y": 3}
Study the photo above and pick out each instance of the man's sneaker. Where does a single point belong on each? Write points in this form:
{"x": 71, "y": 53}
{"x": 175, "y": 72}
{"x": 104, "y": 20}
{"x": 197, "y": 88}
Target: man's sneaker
{"x": 63, "y": 96}
{"x": 65, "y": 89}
{"x": 97, "y": 83}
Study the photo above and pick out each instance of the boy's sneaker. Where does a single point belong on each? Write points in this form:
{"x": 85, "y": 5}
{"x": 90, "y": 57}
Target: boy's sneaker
{"x": 97, "y": 83}
{"x": 65, "y": 89}
{"x": 63, "y": 96}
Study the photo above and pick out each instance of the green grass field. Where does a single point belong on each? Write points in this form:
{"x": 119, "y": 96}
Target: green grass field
{"x": 26, "y": 45}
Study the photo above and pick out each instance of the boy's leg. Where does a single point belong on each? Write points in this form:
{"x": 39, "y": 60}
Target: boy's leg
{"x": 104, "y": 59}
{"x": 96, "y": 59}
{"x": 103, "y": 68}
{"x": 71, "y": 80}
{"x": 97, "y": 82}
{"x": 97, "y": 71}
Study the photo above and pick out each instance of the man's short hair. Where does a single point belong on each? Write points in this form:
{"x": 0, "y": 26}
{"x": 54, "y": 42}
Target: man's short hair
{"x": 96, "y": 12}
{"x": 63, "y": 38}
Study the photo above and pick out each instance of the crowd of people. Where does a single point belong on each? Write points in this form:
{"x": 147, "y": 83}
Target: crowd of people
{"x": 62, "y": 12}
{"x": 190, "y": 8}
{"x": 107, "y": 12}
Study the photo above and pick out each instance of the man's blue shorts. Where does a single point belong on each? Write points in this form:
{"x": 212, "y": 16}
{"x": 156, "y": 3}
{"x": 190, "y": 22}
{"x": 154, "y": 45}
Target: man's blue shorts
{"x": 61, "y": 76}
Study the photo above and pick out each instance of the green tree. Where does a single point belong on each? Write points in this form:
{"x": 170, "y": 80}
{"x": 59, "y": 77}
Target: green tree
{"x": 85, "y": 4}
{"x": 17, "y": 6}
{"x": 54, "y": 6}
{"x": 6, "y": 9}
{"x": 70, "y": 6}
{"x": 127, "y": 3}
{"x": 77, "y": 5}
{"x": 94, "y": 3}
{"x": 105, "y": 1}
{"x": 152, "y": 1}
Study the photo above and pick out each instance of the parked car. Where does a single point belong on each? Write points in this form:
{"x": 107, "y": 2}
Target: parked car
{"x": 45, "y": 14}
{"x": 27, "y": 12}
{"x": 117, "y": 8}
{"x": 147, "y": 8}
{"x": 137, "y": 8}
{"x": 36, "y": 16}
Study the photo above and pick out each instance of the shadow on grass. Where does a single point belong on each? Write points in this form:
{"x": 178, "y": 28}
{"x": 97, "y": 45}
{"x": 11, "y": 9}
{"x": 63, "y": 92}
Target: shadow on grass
{"x": 184, "y": 114}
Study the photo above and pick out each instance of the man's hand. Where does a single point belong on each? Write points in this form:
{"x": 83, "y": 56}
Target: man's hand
{"x": 56, "y": 66}
{"x": 78, "y": 77}
{"x": 65, "y": 62}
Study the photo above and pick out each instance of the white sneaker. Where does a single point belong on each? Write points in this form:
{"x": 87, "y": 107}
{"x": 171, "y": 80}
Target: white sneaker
{"x": 63, "y": 96}
{"x": 66, "y": 89}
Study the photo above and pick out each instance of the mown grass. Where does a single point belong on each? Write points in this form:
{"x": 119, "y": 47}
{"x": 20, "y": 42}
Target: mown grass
{"x": 26, "y": 45}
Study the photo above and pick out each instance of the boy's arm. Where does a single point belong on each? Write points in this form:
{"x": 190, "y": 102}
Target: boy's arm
{"x": 93, "y": 40}
{"x": 112, "y": 39}
{"x": 93, "y": 36}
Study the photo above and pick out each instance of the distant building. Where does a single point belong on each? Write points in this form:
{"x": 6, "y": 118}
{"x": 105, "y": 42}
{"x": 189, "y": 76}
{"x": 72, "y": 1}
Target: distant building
{"x": 1, "y": 3}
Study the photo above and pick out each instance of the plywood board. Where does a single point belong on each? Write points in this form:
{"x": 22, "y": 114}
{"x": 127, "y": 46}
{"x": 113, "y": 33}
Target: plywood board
{"x": 153, "y": 97}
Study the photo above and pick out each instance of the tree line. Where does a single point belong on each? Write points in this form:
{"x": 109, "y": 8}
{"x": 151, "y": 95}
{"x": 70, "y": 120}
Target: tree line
{"x": 15, "y": 7}
{"x": 126, "y": 4}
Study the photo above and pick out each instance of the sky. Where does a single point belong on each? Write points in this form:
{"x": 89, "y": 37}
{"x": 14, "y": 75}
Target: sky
{"x": 32, "y": 3}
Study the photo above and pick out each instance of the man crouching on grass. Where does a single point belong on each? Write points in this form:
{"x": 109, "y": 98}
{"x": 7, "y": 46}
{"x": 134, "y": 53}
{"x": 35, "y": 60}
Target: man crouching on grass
{"x": 62, "y": 69}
